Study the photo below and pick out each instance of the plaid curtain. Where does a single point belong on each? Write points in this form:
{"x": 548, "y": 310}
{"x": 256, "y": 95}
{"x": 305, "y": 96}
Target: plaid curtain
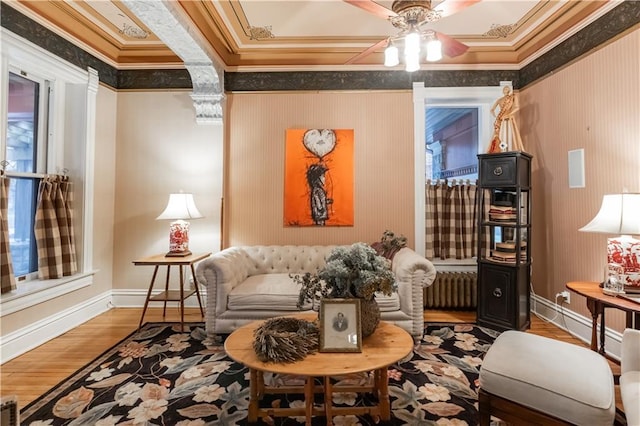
{"x": 451, "y": 220}
{"x": 7, "y": 279}
{"x": 54, "y": 229}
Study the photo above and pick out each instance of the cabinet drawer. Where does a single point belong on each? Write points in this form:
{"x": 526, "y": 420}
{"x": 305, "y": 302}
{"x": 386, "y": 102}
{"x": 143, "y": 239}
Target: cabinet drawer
{"x": 498, "y": 171}
{"x": 508, "y": 169}
{"x": 495, "y": 292}
{"x": 503, "y": 296}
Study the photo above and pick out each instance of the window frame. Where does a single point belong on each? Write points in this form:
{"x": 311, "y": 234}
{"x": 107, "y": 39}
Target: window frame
{"x": 468, "y": 110}
{"x": 71, "y": 146}
{"x": 482, "y": 98}
{"x": 43, "y": 117}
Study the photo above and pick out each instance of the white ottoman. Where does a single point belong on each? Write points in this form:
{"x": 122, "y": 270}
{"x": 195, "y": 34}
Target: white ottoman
{"x": 532, "y": 379}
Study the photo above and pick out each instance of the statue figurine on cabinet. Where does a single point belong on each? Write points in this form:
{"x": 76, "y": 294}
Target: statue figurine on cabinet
{"x": 505, "y": 131}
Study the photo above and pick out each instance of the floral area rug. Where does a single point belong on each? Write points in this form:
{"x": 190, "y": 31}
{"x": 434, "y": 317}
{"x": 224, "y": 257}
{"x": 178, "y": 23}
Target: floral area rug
{"x": 162, "y": 376}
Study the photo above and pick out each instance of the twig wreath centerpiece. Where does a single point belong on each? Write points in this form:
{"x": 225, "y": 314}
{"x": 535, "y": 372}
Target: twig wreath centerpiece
{"x": 284, "y": 340}
{"x": 354, "y": 271}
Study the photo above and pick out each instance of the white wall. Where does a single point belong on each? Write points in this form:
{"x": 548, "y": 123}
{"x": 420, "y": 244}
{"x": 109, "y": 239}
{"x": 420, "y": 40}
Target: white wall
{"x": 160, "y": 150}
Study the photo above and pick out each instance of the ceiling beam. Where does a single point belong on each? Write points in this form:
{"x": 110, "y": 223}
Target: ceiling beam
{"x": 166, "y": 21}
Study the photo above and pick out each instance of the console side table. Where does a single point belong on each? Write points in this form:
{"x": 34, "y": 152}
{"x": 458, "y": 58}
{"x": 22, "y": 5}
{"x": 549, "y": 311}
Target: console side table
{"x": 597, "y": 301}
{"x": 172, "y": 295}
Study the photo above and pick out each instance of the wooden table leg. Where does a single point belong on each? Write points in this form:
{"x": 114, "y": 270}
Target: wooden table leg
{"x": 328, "y": 400}
{"x": 383, "y": 393}
{"x": 181, "y": 298}
{"x": 591, "y": 305}
{"x": 633, "y": 320}
{"x": 146, "y": 302}
{"x": 308, "y": 400}
{"x": 253, "y": 395}
{"x": 602, "y": 328}
{"x": 166, "y": 291}
{"x": 195, "y": 283}
{"x": 260, "y": 385}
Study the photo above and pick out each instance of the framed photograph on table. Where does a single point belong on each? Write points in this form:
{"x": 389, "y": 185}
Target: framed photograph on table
{"x": 340, "y": 325}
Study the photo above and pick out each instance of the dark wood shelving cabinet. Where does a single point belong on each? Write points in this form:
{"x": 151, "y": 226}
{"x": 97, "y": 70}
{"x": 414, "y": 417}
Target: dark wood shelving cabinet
{"x": 504, "y": 252}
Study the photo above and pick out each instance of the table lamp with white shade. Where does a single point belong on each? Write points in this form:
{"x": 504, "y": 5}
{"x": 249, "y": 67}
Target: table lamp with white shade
{"x": 620, "y": 215}
{"x": 180, "y": 207}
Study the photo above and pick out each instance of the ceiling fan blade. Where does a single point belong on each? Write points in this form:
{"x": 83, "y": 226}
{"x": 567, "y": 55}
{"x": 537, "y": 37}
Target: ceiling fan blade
{"x": 450, "y": 46}
{"x": 368, "y": 51}
{"x": 372, "y": 7}
{"x": 450, "y": 7}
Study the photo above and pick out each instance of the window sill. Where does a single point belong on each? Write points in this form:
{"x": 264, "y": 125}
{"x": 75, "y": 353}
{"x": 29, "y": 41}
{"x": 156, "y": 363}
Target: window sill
{"x": 38, "y": 291}
{"x": 455, "y": 265}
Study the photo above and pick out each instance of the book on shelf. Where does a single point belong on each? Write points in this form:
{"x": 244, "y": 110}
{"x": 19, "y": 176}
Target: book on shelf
{"x": 499, "y": 217}
{"x": 501, "y": 209}
{"x": 506, "y": 257}
{"x": 509, "y": 246}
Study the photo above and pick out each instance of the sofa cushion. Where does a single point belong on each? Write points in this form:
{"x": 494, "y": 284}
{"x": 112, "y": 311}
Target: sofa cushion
{"x": 563, "y": 380}
{"x": 266, "y": 292}
{"x": 279, "y": 292}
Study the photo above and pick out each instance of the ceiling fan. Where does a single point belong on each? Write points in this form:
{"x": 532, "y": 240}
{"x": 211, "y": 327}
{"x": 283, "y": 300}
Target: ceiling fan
{"x": 409, "y": 16}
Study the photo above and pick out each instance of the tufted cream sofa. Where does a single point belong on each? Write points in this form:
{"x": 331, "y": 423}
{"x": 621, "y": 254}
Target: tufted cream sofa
{"x": 252, "y": 282}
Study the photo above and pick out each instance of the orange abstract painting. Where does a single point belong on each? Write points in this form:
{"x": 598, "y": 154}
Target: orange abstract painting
{"x": 318, "y": 181}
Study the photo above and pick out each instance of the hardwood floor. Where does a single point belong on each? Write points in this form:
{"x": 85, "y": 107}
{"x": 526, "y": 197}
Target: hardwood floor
{"x": 32, "y": 374}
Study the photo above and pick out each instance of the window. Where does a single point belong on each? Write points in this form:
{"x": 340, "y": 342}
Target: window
{"x": 451, "y": 138}
{"x": 430, "y": 104}
{"x": 25, "y": 163}
{"x": 47, "y": 126}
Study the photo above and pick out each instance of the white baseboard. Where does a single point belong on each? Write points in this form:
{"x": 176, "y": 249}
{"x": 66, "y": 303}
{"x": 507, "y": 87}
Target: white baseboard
{"x": 134, "y": 298}
{"x": 575, "y": 324}
{"x": 37, "y": 333}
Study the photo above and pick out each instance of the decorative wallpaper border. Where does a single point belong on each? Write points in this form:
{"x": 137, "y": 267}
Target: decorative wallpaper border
{"x": 615, "y": 22}
{"x": 28, "y": 29}
{"x": 361, "y": 80}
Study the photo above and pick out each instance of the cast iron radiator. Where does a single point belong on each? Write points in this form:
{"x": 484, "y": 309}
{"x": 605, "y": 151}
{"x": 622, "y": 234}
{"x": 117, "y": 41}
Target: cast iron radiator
{"x": 452, "y": 290}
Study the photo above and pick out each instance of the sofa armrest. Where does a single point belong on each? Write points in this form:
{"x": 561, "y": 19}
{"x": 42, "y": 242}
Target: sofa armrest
{"x": 413, "y": 272}
{"x": 408, "y": 265}
{"x": 630, "y": 377}
{"x": 630, "y": 353}
{"x": 219, "y": 274}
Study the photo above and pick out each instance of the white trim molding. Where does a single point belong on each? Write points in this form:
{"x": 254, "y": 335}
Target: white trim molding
{"x": 31, "y": 293}
{"x": 134, "y": 298}
{"x": 37, "y": 333}
{"x": 165, "y": 20}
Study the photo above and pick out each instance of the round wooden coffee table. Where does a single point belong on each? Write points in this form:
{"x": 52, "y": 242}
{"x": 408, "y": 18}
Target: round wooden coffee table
{"x": 388, "y": 344}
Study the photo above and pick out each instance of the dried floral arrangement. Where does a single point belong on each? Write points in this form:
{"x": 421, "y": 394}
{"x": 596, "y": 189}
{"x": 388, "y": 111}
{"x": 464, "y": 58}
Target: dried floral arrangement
{"x": 355, "y": 271}
{"x": 284, "y": 339}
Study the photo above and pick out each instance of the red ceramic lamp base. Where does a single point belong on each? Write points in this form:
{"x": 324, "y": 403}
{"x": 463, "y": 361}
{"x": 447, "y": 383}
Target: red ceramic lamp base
{"x": 178, "y": 239}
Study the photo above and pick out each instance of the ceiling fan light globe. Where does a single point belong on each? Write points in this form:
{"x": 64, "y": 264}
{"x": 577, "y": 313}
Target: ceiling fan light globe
{"x": 412, "y": 43}
{"x": 434, "y": 50}
{"x": 412, "y": 62}
{"x": 391, "y": 58}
